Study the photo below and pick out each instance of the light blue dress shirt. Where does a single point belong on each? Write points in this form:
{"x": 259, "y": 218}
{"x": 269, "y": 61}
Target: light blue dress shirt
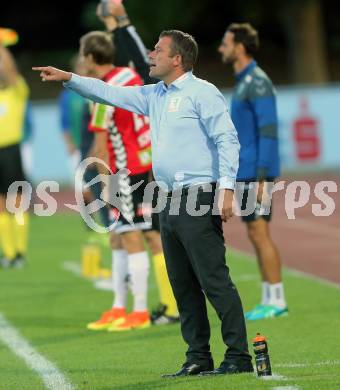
{"x": 193, "y": 138}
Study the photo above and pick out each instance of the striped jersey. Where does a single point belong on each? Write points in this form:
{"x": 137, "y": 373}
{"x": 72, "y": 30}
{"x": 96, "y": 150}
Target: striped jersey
{"x": 128, "y": 134}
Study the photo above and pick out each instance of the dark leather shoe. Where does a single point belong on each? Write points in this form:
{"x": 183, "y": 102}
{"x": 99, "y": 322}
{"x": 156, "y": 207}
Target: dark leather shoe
{"x": 230, "y": 368}
{"x": 191, "y": 369}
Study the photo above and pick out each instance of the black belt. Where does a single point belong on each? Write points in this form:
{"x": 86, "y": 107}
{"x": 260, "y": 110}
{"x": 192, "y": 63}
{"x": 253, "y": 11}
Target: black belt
{"x": 183, "y": 191}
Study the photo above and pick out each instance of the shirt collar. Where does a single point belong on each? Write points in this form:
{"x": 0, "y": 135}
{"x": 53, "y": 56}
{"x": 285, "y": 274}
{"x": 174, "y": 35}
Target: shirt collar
{"x": 239, "y": 76}
{"x": 179, "y": 82}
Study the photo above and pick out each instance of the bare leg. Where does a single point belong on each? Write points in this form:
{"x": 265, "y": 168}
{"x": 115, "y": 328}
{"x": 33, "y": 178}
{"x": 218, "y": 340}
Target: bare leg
{"x": 153, "y": 239}
{"x": 133, "y": 242}
{"x": 267, "y": 253}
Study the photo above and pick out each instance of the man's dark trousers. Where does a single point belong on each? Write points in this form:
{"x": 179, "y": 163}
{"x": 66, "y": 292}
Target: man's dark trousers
{"x": 195, "y": 258}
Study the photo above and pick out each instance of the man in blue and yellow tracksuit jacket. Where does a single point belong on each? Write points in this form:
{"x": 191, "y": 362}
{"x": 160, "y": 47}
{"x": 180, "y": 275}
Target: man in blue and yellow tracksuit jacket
{"x": 254, "y": 113}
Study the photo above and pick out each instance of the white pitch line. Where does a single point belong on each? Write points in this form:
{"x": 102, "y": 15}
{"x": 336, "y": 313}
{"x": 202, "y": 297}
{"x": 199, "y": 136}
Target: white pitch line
{"x": 273, "y": 377}
{"x": 47, "y": 371}
{"x": 301, "y": 274}
{"x": 104, "y": 285}
{"x": 73, "y": 267}
{"x": 303, "y": 365}
{"x": 245, "y": 277}
{"x": 276, "y": 377}
{"x": 99, "y": 284}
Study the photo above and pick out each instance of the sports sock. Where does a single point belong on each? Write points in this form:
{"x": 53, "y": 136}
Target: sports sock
{"x": 119, "y": 277}
{"x": 265, "y": 293}
{"x": 7, "y": 238}
{"x": 165, "y": 291}
{"x": 138, "y": 272}
{"x": 276, "y": 295}
{"x": 20, "y": 228}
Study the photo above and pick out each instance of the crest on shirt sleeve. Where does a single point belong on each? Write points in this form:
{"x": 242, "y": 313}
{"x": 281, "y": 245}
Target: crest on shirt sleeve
{"x": 260, "y": 86}
{"x": 174, "y": 104}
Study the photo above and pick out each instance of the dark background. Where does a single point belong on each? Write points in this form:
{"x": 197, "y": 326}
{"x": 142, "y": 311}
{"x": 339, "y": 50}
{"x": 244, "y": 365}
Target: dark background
{"x": 300, "y": 39}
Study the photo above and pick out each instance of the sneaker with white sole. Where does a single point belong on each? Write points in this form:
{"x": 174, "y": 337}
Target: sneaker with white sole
{"x": 5, "y": 263}
{"x": 18, "y": 262}
{"x": 159, "y": 316}
{"x": 251, "y": 312}
{"x": 262, "y": 312}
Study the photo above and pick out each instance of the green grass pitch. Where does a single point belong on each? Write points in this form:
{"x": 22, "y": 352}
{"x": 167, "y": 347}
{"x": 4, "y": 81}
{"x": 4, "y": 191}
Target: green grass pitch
{"x": 50, "y": 307}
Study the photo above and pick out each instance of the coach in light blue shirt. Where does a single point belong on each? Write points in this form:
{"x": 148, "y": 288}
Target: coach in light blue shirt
{"x": 192, "y": 132}
{"x": 192, "y": 135}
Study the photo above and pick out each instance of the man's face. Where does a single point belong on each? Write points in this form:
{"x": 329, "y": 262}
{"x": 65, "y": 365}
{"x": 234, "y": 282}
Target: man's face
{"x": 227, "y": 48}
{"x": 162, "y": 62}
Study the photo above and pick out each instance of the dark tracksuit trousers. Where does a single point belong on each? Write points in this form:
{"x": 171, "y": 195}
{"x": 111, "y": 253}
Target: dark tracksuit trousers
{"x": 195, "y": 258}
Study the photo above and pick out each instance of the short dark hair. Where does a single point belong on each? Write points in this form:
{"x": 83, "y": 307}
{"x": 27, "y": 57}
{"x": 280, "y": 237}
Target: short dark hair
{"x": 185, "y": 45}
{"x": 246, "y": 34}
{"x": 100, "y": 45}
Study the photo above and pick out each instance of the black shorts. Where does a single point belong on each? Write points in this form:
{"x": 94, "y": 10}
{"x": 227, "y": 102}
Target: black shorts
{"x": 133, "y": 212}
{"x": 246, "y": 195}
{"x": 10, "y": 167}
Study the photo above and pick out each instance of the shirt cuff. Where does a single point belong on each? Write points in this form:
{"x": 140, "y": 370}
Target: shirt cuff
{"x": 73, "y": 80}
{"x": 226, "y": 183}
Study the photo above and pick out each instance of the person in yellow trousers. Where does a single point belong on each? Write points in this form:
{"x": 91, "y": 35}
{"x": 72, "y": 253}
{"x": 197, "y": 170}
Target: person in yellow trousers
{"x": 13, "y": 98}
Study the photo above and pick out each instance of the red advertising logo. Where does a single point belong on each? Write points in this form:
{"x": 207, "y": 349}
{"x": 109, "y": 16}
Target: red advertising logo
{"x": 306, "y": 135}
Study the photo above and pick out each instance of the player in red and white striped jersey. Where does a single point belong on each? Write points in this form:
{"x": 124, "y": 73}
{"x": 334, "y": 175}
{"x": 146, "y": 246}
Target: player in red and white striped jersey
{"x": 123, "y": 140}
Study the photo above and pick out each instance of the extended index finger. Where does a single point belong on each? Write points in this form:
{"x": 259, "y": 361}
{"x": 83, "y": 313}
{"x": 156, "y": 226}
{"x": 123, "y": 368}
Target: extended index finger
{"x": 41, "y": 68}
